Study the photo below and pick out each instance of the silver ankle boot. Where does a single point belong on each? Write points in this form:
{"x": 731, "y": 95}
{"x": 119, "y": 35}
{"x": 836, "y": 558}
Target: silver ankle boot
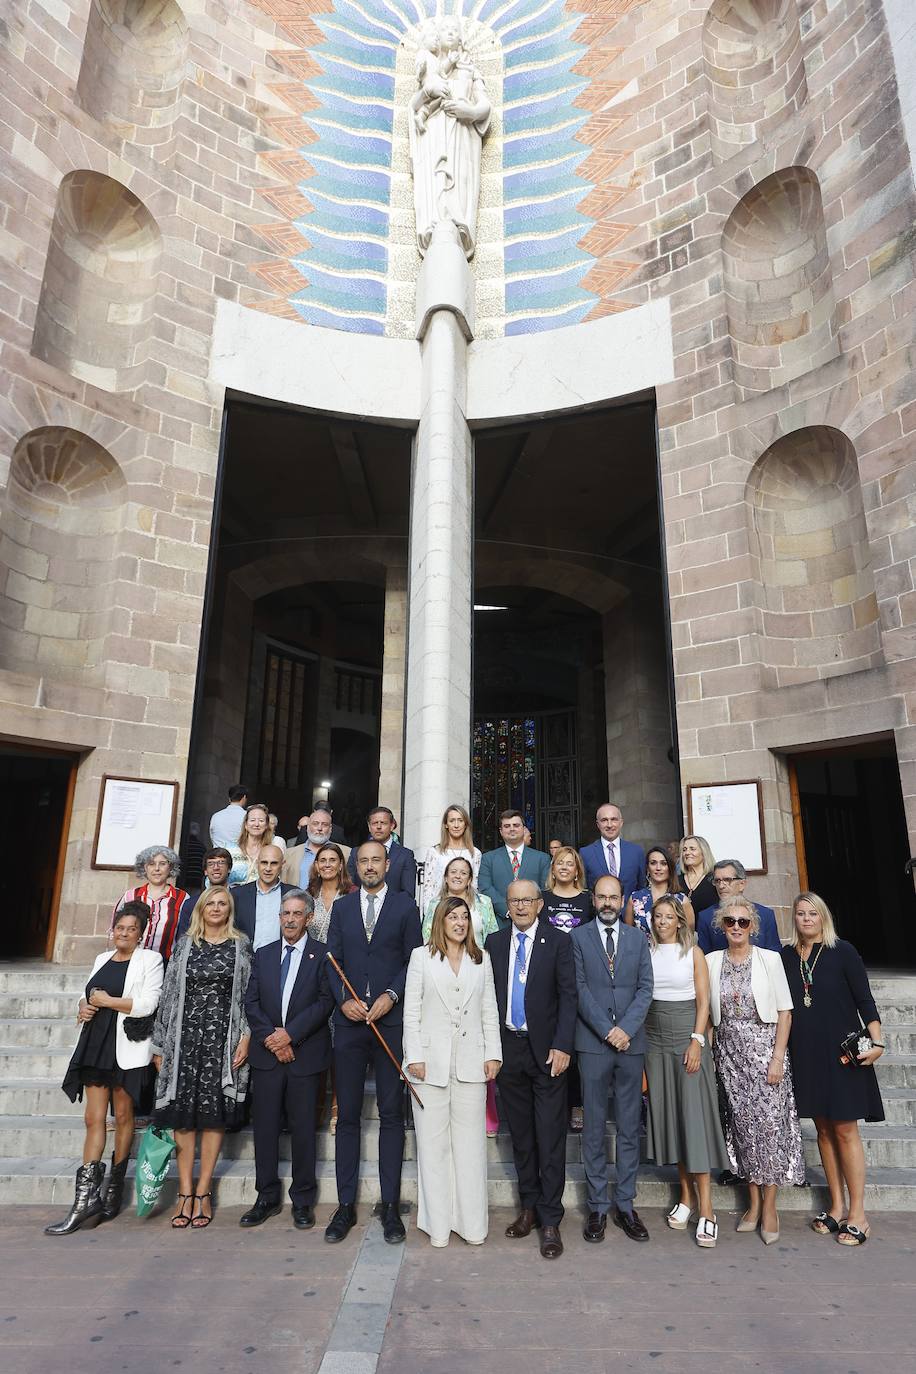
{"x": 87, "y": 1202}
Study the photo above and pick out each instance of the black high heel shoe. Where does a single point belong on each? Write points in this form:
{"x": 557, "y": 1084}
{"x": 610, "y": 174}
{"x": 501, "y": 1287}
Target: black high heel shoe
{"x": 200, "y": 1221}
{"x": 180, "y": 1222}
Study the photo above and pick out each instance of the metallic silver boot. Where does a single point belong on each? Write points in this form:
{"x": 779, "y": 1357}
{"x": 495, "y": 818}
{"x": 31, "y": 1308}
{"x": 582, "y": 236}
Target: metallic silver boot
{"x": 114, "y": 1193}
{"x": 87, "y": 1203}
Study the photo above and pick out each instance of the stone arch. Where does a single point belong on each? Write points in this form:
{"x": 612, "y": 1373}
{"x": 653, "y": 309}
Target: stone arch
{"x": 62, "y": 513}
{"x": 819, "y": 611}
{"x": 99, "y": 285}
{"x": 778, "y": 282}
{"x": 752, "y": 55}
{"x": 133, "y": 66}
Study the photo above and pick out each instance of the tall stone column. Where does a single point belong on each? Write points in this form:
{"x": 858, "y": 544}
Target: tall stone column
{"x": 391, "y": 725}
{"x": 437, "y": 745}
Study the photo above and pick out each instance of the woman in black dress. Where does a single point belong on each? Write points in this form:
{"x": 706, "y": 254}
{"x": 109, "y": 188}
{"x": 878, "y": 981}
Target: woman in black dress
{"x": 201, "y": 1047}
{"x": 832, "y": 997}
{"x": 697, "y": 866}
{"x": 107, "y": 1065}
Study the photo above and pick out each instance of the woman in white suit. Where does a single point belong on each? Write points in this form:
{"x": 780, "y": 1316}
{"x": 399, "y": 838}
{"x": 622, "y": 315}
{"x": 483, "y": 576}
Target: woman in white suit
{"x": 111, "y": 1062}
{"x": 452, "y": 1047}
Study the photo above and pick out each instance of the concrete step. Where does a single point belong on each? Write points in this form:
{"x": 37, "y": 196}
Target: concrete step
{"x": 900, "y": 1037}
{"x": 59, "y": 1005}
{"x": 38, "y": 1032}
{"x": 41, "y": 1096}
{"x": 899, "y": 1106}
{"x": 32, "y": 978}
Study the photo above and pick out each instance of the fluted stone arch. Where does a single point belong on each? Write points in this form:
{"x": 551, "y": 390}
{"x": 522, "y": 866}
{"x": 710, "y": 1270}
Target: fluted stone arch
{"x": 752, "y": 56}
{"x": 133, "y": 66}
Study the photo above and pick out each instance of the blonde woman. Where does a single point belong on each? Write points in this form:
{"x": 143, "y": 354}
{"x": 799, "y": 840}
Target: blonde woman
{"x": 458, "y": 881}
{"x": 682, "y": 1125}
{"x": 697, "y": 867}
{"x": 456, "y": 840}
{"x": 200, "y": 1047}
{"x": 256, "y": 832}
{"x": 567, "y": 900}
{"x": 452, "y": 1050}
{"x": 832, "y": 997}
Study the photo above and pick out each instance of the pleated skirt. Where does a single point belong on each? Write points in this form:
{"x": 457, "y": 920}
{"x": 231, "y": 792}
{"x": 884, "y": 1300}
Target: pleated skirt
{"x": 682, "y": 1125}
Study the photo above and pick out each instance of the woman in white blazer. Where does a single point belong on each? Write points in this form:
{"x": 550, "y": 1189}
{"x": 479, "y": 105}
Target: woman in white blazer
{"x": 110, "y": 1063}
{"x": 751, "y": 1008}
{"x": 452, "y": 1049}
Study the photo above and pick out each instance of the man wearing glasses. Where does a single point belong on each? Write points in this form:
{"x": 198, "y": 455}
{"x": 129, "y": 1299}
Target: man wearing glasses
{"x": 730, "y": 879}
{"x": 536, "y": 993}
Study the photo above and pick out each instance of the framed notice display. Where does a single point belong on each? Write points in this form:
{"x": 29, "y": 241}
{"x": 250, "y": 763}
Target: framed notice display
{"x": 730, "y": 816}
{"x": 133, "y": 814}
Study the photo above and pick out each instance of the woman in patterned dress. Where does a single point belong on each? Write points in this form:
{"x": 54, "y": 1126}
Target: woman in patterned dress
{"x": 328, "y": 880}
{"x": 751, "y": 1009}
{"x": 200, "y": 1047}
{"x": 662, "y": 882}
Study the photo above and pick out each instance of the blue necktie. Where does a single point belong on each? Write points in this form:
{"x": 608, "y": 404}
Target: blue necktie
{"x": 284, "y": 968}
{"x": 518, "y": 985}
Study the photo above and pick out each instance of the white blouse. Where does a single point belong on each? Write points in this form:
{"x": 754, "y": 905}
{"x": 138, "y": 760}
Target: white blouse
{"x": 672, "y": 970}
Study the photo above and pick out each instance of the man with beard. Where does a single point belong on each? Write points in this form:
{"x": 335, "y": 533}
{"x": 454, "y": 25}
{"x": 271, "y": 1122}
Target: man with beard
{"x": 300, "y": 857}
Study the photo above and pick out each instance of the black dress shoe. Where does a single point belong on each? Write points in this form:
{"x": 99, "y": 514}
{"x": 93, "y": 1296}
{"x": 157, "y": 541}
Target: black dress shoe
{"x": 392, "y": 1225}
{"x": 341, "y": 1223}
{"x": 595, "y": 1227}
{"x": 523, "y": 1224}
{"x": 304, "y": 1217}
{"x": 260, "y": 1212}
{"x": 551, "y": 1245}
{"x": 630, "y": 1224}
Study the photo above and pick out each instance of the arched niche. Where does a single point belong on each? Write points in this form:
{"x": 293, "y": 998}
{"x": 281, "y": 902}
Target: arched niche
{"x": 819, "y": 612}
{"x": 778, "y": 282}
{"x": 99, "y": 285}
{"x": 62, "y": 512}
{"x": 755, "y": 68}
{"x": 133, "y": 65}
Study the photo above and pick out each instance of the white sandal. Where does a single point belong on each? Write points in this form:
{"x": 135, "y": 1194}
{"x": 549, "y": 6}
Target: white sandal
{"x": 678, "y": 1217}
{"x": 707, "y": 1232}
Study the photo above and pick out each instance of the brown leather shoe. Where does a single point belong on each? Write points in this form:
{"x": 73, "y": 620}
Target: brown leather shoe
{"x": 523, "y": 1224}
{"x": 551, "y": 1245}
{"x": 630, "y": 1224}
{"x": 595, "y": 1227}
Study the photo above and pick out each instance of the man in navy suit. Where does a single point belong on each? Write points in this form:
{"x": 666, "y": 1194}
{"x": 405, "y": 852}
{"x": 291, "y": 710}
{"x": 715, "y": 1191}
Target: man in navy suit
{"x": 402, "y": 866}
{"x": 536, "y": 995}
{"x": 257, "y": 904}
{"x": 288, "y": 1002}
{"x": 730, "y": 879}
{"x": 512, "y": 861}
{"x": 611, "y": 854}
{"x": 614, "y": 984}
{"x": 372, "y": 934}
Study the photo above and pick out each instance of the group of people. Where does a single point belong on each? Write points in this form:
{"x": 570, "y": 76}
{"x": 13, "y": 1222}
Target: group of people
{"x": 566, "y": 978}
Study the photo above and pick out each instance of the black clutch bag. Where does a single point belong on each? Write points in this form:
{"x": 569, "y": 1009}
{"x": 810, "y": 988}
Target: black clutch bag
{"x": 139, "y": 1027}
{"x": 852, "y": 1045}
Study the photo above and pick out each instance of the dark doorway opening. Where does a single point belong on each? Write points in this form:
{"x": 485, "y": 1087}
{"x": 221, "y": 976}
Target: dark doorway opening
{"x": 852, "y": 844}
{"x": 36, "y": 797}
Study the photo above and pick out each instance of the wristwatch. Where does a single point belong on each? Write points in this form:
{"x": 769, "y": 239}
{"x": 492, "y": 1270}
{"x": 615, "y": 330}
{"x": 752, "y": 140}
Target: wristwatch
{"x": 393, "y": 995}
{"x": 700, "y": 1039}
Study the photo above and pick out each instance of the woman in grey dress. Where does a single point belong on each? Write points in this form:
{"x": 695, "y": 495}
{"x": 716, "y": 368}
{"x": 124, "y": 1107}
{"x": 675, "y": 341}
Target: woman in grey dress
{"x": 751, "y": 1008}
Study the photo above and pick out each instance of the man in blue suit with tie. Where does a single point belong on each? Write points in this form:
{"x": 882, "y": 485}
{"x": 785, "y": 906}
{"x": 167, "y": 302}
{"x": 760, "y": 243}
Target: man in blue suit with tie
{"x": 402, "y": 866}
{"x": 613, "y": 855}
{"x": 614, "y": 984}
{"x": 373, "y": 932}
{"x": 512, "y": 862}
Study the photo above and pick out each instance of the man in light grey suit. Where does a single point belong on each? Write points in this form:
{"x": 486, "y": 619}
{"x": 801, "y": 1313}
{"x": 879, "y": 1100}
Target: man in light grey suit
{"x": 513, "y": 862}
{"x": 614, "y": 985}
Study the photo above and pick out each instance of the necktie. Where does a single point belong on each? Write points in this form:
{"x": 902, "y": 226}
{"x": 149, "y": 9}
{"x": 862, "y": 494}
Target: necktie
{"x": 284, "y": 967}
{"x": 518, "y": 985}
{"x": 611, "y": 861}
{"x": 370, "y": 914}
{"x": 516, "y": 863}
{"x": 609, "y": 941}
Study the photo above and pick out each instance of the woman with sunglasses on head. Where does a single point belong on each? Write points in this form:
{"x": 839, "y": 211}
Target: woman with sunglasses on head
{"x": 751, "y": 1008}
{"x": 661, "y": 881}
{"x": 832, "y": 997}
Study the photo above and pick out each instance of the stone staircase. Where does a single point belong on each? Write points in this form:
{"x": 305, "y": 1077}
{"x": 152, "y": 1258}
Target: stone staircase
{"x": 41, "y": 1133}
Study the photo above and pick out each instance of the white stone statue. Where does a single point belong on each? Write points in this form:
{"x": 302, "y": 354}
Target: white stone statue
{"x": 448, "y": 118}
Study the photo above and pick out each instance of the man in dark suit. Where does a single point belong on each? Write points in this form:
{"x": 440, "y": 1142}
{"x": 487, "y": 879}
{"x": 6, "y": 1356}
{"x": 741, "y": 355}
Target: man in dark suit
{"x": 730, "y": 879}
{"x": 402, "y": 866}
{"x": 373, "y": 932}
{"x": 611, "y": 854}
{"x": 536, "y": 995}
{"x": 614, "y": 984}
{"x": 288, "y": 1002}
{"x": 217, "y": 863}
{"x": 257, "y": 904}
{"x": 511, "y": 861}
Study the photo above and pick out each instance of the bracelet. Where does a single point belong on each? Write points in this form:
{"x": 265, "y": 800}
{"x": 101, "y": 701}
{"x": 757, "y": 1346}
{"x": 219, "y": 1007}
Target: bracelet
{"x": 878, "y": 1045}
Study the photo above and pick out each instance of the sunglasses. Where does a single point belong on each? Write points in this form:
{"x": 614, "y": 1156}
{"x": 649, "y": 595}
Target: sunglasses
{"x": 742, "y": 921}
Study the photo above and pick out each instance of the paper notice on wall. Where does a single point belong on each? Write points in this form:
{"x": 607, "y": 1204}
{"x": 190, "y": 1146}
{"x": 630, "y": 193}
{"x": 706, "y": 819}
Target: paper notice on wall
{"x": 151, "y": 803}
{"x": 123, "y": 804}
{"x": 134, "y": 814}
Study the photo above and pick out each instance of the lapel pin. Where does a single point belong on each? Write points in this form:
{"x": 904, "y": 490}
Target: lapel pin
{"x": 543, "y": 940}
{"x": 311, "y": 956}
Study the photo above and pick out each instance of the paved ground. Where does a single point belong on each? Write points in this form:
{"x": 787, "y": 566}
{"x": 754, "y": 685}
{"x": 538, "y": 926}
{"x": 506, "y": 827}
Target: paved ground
{"x": 134, "y": 1296}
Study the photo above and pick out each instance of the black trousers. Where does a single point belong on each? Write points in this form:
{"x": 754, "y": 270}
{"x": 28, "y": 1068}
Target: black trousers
{"x": 355, "y": 1048}
{"x": 279, "y": 1097}
{"x": 534, "y": 1106}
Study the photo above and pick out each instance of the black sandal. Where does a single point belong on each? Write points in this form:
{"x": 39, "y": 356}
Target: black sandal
{"x": 200, "y": 1221}
{"x": 824, "y": 1224}
{"x": 179, "y": 1221}
{"x": 856, "y": 1236}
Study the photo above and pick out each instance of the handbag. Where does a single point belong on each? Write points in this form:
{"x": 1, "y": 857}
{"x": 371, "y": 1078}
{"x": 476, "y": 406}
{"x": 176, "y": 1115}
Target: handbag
{"x": 139, "y": 1027}
{"x": 156, "y": 1149}
{"x": 852, "y": 1045}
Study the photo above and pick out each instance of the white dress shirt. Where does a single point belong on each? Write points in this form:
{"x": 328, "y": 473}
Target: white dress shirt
{"x": 615, "y": 846}
{"x": 603, "y": 927}
{"x": 294, "y": 961}
{"x": 266, "y": 915}
{"x": 226, "y": 825}
{"x": 517, "y": 849}
{"x": 529, "y": 935}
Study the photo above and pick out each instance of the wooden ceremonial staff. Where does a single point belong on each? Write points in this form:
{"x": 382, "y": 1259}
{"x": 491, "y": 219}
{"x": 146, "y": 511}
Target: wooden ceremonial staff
{"x": 378, "y": 1034}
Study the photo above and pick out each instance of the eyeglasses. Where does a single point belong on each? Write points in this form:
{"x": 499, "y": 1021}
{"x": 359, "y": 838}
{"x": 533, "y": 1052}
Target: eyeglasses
{"x": 721, "y": 881}
{"x": 523, "y": 901}
{"x": 742, "y": 921}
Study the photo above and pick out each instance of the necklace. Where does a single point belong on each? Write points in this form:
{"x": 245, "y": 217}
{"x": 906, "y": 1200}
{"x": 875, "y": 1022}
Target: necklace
{"x": 807, "y": 975}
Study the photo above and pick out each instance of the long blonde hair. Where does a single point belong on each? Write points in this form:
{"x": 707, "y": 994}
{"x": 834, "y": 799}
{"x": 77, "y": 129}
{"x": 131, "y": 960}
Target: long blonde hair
{"x": 244, "y": 837}
{"x": 829, "y": 936}
{"x": 196, "y": 926}
{"x": 685, "y": 936}
{"x": 467, "y": 838}
{"x": 709, "y": 862}
{"x": 580, "y": 868}
{"x": 437, "y": 943}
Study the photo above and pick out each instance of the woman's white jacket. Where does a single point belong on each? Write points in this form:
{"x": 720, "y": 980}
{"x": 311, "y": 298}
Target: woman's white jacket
{"x": 769, "y": 985}
{"x": 143, "y": 985}
{"x": 438, "y": 1005}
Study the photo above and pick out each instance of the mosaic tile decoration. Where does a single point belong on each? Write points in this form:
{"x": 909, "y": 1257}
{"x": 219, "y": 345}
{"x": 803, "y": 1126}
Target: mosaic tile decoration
{"x": 336, "y": 165}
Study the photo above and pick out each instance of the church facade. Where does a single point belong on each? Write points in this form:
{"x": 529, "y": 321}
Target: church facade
{"x": 504, "y": 401}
